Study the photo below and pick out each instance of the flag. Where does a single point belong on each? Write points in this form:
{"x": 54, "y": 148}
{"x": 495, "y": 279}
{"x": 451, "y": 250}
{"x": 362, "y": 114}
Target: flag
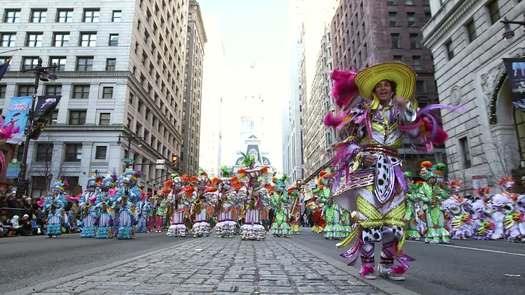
{"x": 3, "y": 67}
{"x": 46, "y": 104}
{"x": 516, "y": 76}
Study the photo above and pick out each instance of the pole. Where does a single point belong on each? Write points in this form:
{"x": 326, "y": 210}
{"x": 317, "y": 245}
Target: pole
{"x": 22, "y": 181}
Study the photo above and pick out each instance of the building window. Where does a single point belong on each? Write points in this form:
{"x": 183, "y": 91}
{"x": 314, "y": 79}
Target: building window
{"x": 420, "y": 87}
{"x": 411, "y": 19}
{"x": 77, "y": 117}
{"x": 398, "y": 58}
{"x": 84, "y": 63}
{"x": 53, "y": 90}
{"x": 111, "y": 64}
{"x": 414, "y": 41}
{"x": 465, "y": 151}
{"x": 73, "y": 152}
{"x": 30, "y": 62}
{"x": 428, "y": 15}
{"x": 59, "y": 62}
{"x": 38, "y": 15}
{"x": 409, "y": 2}
{"x": 91, "y": 15}
{"x": 493, "y": 9}
{"x": 60, "y": 39}
{"x": 392, "y": 19}
{"x": 64, "y": 15}
{"x": 396, "y": 40}
{"x": 107, "y": 92}
{"x": 392, "y": 2}
{"x": 25, "y": 90}
{"x": 8, "y": 39}
{"x": 113, "y": 40}
{"x": 3, "y": 88}
{"x": 449, "y": 50}
{"x": 54, "y": 118}
{"x": 34, "y": 39}
{"x": 88, "y": 39}
{"x": 11, "y": 16}
{"x": 104, "y": 119}
{"x": 80, "y": 91}
{"x": 44, "y": 152}
{"x": 39, "y": 185}
{"x": 471, "y": 30}
{"x": 100, "y": 152}
{"x": 117, "y": 15}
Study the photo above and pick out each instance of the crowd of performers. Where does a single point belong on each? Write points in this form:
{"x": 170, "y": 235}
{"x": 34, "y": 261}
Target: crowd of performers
{"x": 233, "y": 205}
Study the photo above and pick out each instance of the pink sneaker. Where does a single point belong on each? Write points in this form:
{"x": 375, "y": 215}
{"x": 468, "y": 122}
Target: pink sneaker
{"x": 367, "y": 271}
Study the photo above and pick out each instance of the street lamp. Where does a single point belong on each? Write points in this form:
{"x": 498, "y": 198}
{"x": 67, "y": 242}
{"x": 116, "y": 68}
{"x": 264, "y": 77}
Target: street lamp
{"x": 41, "y": 74}
{"x": 130, "y": 138}
{"x": 509, "y": 32}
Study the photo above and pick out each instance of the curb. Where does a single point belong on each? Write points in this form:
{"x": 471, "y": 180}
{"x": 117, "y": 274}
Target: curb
{"x": 379, "y": 283}
{"x": 78, "y": 275}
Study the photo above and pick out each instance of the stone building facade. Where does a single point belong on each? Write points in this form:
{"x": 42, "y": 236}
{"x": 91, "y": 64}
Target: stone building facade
{"x": 196, "y": 40}
{"x": 121, "y": 76}
{"x": 317, "y": 138}
{"x": 365, "y": 33}
{"x": 466, "y": 39}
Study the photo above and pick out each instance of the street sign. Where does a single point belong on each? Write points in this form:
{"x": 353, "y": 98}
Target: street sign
{"x": 161, "y": 164}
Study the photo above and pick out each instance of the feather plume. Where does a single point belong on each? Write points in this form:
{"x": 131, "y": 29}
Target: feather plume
{"x": 344, "y": 87}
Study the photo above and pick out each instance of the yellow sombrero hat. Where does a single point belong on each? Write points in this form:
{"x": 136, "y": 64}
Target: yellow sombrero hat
{"x": 400, "y": 73}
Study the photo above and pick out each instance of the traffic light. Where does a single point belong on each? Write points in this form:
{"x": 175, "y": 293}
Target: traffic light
{"x": 174, "y": 159}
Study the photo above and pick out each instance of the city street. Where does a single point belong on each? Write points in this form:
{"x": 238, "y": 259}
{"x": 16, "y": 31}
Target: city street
{"x": 156, "y": 264}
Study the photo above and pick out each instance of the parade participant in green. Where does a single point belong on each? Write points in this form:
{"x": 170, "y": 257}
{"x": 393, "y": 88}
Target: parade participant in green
{"x": 432, "y": 195}
{"x": 413, "y": 208}
{"x": 332, "y": 216}
{"x": 279, "y": 202}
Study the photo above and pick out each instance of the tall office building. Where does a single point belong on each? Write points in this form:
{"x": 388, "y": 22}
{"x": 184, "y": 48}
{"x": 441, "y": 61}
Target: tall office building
{"x": 193, "y": 91}
{"x": 318, "y": 139}
{"x": 120, "y": 73}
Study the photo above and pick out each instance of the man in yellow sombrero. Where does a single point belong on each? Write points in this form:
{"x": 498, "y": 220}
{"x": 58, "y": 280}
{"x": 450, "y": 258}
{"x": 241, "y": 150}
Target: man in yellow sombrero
{"x": 375, "y": 110}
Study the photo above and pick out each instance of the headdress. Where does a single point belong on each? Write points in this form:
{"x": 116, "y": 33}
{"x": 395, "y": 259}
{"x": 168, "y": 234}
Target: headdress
{"x": 506, "y": 182}
{"x": 401, "y": 74}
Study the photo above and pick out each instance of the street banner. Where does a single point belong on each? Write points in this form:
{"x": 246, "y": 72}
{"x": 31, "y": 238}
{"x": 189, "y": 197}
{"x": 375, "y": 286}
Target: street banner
{"x": 45, "y": 105}
{"x": 18, "y": 111}
{"x": 516, "y": 76}
{"x": 13, "y": 170}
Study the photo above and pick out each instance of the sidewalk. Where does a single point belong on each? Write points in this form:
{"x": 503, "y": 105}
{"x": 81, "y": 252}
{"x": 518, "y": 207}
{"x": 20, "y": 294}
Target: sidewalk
{"x": 216, "y": 266}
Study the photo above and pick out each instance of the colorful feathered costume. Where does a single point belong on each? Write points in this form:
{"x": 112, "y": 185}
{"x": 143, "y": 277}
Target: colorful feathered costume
{"x": 368, "y": 174}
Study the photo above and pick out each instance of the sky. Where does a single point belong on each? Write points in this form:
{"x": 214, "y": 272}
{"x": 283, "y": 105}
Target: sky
{"x": 247, "y": 54}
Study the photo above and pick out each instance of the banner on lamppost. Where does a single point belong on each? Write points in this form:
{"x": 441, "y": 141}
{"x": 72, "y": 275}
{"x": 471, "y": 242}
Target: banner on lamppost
{"x": 516, "y": 76}
{"x": 13, "y": 170}
{"x": 18, "y": 112}
{"x": 46, "y": 104}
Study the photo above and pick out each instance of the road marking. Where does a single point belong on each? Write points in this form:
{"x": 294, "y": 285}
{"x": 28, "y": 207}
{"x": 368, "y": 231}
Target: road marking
{"x": 483, "y": 250}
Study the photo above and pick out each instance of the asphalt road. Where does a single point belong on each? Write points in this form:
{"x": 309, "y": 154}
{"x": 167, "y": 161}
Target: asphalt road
{"x": 27, "y": 261}
{"x": 463, "y": 267}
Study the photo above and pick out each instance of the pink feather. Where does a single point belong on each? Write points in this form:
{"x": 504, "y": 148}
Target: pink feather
{"x": 343, "y": 88}
{"x": 332, "y": 120}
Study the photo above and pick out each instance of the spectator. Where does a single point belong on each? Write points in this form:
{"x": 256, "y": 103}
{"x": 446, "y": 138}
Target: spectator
{"x": 26, "y": 228}
{"x": 3, "y": 226}
{"x": 14, "y": 226}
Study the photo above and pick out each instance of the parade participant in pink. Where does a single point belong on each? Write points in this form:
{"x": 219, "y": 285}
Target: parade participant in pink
{"x": 368, "y": 175}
